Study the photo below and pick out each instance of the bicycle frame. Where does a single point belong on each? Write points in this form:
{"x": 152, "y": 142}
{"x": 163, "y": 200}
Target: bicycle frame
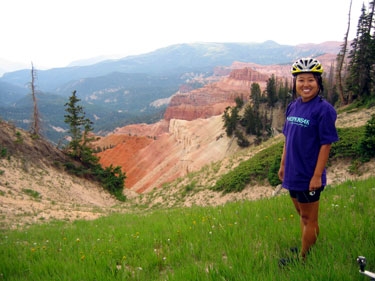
{"x": 362, "y": 264}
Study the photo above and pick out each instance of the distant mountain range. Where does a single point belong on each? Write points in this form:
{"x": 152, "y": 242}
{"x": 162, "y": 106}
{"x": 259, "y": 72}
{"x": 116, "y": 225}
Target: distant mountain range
{"x": 8, "y": 66}
{"x": 118, "y": 92}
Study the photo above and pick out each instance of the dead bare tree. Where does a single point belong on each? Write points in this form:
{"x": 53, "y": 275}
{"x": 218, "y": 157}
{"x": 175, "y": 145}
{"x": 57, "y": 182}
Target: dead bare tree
{"x": 341, "y": 60}
{"x": 35, "y": 125}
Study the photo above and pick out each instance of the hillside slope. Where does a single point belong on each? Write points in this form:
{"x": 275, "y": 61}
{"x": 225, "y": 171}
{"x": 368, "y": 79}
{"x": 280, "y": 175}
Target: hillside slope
{"x": 35, "y": 189}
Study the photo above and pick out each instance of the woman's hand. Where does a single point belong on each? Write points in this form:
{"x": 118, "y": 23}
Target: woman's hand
{"x": 315, "y": 183}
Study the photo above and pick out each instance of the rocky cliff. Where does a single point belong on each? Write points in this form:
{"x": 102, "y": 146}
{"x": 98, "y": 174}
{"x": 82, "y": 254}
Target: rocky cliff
{"x": 151, "y": 161}
{"x": 212, "y": 99}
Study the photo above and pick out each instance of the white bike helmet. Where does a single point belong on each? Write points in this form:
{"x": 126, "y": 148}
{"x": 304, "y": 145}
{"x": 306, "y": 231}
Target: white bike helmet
{"x": 307, "y": 65}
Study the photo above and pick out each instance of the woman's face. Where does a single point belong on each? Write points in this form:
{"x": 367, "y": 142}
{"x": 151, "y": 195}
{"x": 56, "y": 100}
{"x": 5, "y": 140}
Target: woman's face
{"x": 306, "y": 86}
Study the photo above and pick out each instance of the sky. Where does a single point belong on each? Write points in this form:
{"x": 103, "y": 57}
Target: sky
{"x": 54, "y": 33}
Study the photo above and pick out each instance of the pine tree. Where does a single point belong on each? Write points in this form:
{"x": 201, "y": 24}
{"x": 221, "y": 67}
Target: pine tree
{"x": 366, "y": 145}
{"x": 88, "y": 156}
{"x": 248, "y": 120}
{"x": 78, "y": 123}
{"x": 230, "y": 118}
{"x": 362, "y": 57}
{"x": 283, "y": 93}
{"x": 372, "y": 47}
{"x": 330, "y": 92}
{"x": 80, "y": 148}
{"x": 255, "y": 94}
{"x": 35, "y": 125}
{"x": 271, "y": 91}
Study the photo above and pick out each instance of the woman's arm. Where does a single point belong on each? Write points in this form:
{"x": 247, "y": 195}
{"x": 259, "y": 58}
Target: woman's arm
{"x": 316, "y": 180}
{"x": 282, "y": 165}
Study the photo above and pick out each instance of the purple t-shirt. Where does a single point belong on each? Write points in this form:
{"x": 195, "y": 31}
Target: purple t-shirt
{"x": 307, "y": 127}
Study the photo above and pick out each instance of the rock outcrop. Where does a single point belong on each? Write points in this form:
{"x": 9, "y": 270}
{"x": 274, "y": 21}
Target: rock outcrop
{"x": 212, "y": 99}
{"x": 186, "y": 147}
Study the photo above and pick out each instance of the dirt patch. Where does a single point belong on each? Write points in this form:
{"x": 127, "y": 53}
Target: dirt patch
{"x": 354, "y": 118}
{"x": 31, "y": 193}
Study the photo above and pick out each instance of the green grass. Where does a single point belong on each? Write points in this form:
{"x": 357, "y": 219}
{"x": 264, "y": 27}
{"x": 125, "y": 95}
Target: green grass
{"x": 255, "y": 169}
{"x": 237, "y": 241}
{"x": 32, "y": 193}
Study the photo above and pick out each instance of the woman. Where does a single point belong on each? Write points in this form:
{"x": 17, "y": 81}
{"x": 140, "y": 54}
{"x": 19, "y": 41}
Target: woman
{"x": 309, "y": 131}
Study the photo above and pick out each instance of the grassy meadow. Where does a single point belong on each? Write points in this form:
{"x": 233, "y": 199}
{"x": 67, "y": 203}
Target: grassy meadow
{"x": 237, "y": 241}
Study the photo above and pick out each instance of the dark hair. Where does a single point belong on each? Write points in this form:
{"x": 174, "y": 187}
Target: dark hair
{"x": 318, "y": 79}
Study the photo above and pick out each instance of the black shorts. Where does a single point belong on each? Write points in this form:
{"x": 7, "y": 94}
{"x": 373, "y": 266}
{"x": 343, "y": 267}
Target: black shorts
{"x": 306, "y": 196}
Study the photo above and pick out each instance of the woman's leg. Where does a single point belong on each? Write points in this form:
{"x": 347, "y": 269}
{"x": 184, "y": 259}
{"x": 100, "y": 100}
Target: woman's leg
{"x": 296, "y": 205}
{"x": 309, "y": 225}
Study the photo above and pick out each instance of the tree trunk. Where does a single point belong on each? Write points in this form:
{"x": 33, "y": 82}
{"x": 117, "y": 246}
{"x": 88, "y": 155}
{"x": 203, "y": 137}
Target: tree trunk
{"x": 35, "y": 125}
{"x": 341, "y": 61}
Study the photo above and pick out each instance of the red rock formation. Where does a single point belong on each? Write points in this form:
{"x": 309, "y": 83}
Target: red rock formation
{"x": 201, "y": 103}
{"x": 248, "y": 74}
{"x": 151, "y": 162}
{"x": 147, "y": 130}
{"x": 212, "y": 99}
{"x": 120, "y": 152}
